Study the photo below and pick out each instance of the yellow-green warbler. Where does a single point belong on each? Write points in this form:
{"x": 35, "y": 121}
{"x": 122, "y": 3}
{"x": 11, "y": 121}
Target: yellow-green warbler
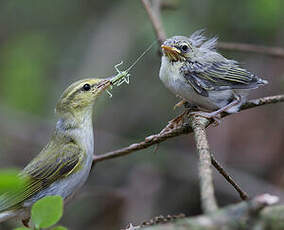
{"x": 63, "y": 165}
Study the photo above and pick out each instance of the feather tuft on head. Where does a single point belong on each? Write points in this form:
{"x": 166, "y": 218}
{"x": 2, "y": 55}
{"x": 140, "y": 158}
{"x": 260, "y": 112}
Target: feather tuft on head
{"x": 198, "y": 39}
{"x": 210, "y": 44}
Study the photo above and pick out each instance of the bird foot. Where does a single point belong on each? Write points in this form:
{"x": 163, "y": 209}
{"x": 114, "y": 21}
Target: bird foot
{"x": 190, "y": 107}
{"x": 174, "y": 123}
{"x": 26, "y": 222}
{"x": 179, "y": 104}
{"x": 187, "y": 105}
{"x": 215, "y": 116}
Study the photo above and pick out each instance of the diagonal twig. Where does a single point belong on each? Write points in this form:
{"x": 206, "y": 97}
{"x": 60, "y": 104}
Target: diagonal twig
{"x": 223, "y": 172}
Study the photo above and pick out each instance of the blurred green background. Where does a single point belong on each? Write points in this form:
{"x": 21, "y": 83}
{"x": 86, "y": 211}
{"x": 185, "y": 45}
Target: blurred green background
{"x": 46, "y": 45}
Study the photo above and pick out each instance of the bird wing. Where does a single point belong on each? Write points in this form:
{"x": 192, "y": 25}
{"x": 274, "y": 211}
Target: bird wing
{"x": 218, "y": 76}
{"x": 50, "y": 165}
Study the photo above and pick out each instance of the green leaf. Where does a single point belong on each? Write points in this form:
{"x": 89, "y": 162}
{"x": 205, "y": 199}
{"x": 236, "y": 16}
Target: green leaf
{"x": 47, "y": 211}
{"x": 59, "y": 228}
{"x": 22, "y": 228}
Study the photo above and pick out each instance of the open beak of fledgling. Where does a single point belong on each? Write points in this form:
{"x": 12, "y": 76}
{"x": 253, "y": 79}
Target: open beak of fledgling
{"x": 172, "y": 53}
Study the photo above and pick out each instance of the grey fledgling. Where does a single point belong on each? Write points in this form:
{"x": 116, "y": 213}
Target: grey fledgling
{"x": 192, "y": 69}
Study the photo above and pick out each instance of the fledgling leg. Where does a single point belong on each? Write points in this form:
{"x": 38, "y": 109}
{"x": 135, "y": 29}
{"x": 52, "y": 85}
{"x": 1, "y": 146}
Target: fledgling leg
{"x": 180, "y": 103}
{"x": 177, "y": 121}
{"x": 190, "y": 107}
{"x": 216, "y": 114}
{"x": 187, "y": 105}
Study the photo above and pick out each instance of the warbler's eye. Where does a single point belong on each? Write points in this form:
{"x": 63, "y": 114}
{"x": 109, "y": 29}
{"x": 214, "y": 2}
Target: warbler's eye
{"x": 86, "y": 87}
{"x": 184, "y": 48}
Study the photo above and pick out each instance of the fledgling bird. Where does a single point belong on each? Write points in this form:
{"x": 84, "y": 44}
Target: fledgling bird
{"x": 63, "y": 165}
{"x": 192, "y": 69}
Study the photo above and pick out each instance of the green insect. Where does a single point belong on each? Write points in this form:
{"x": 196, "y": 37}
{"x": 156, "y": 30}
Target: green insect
{"x": 124, "y": 76}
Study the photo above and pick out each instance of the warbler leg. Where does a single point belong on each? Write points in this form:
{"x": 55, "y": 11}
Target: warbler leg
{"x": 216, "y": 114}
{"x": 26, "y": 222}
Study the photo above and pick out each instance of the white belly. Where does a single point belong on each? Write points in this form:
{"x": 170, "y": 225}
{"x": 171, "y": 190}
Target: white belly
{"x": 176, "y": 83}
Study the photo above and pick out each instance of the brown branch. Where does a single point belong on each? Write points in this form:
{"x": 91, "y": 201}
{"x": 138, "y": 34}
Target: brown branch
{"x": 155, "y": 19}
{"x": 223, "y": 172}
{"x": 253, "y": 214}
{"x": 180, "y": 130}
{"x": 243, "y": 47}
{"x": 208, "y": 200}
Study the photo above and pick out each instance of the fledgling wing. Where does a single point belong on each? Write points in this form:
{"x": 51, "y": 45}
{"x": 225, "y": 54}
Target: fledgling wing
{"x": 218, "y": 76}
{"x": 51, "y": 164}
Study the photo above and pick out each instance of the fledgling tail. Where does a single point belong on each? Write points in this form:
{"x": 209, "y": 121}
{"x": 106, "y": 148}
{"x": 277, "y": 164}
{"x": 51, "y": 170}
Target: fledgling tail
{"x": 262, "y": 81}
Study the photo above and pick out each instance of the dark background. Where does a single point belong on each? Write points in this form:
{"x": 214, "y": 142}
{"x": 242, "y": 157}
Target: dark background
{"x": 46, "y": 45}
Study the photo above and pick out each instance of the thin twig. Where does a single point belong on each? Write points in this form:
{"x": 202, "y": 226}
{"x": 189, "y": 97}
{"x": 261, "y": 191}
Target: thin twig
{"x": 208, "y": 200}
{"x": 180, "y": 130}
{"x": 155, "y": 20}
{"x": 223, "y": 172}
{"x": 243, "y": 47}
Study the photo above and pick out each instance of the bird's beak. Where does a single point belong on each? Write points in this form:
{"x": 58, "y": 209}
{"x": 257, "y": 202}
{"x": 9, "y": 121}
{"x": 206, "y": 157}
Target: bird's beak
{"x": 105, "y": 83}
{"x": 172, "y": 53}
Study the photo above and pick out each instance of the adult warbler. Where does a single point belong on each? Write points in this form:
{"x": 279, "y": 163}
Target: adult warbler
{"x": 63, "y": 165}
{"x": 192, "y": 69}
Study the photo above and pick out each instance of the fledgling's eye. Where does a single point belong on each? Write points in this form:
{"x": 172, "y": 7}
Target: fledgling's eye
{"x": 184, "y": 48}
{"x": 86, "y": 87}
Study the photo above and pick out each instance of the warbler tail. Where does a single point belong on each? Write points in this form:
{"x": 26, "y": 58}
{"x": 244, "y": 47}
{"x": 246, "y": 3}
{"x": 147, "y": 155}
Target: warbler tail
{"x": 6, "y": 215}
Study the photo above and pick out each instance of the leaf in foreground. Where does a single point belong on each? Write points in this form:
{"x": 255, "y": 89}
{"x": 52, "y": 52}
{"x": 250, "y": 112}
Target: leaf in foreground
{"x": 59, "y": 228}
{"x": 47, "y": 211}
